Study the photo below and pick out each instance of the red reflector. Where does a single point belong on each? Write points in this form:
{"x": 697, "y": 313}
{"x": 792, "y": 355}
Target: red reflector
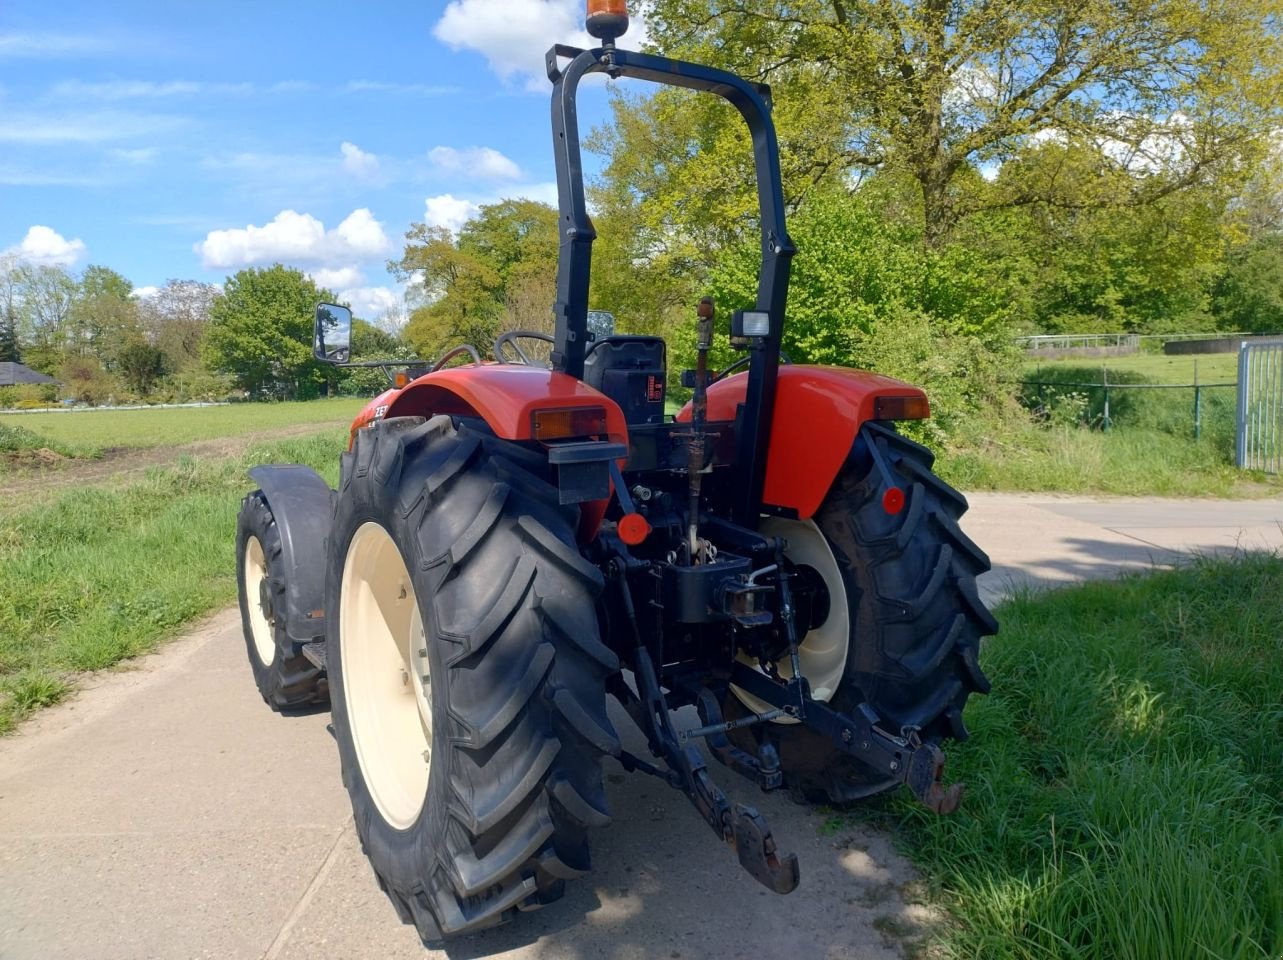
{"x": 901, "y": 408}
{"x": 633, "y": 529}
{"x": 402, "y": 380}
{"x": 893, "y": 501}
{"x": 575, "y": 422}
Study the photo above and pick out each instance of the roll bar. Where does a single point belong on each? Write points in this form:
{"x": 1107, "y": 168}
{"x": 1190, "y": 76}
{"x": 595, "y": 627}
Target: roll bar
{"x": 574, "y": 262}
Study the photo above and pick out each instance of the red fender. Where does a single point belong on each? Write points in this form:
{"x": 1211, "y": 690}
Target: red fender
{"x": 818, "y": 412}
{"x": 505, "y": 396}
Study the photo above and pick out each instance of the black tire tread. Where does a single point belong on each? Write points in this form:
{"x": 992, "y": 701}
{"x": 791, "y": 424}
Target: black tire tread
{"x": 525, "y": 676}
{"x": 290, "y": 682}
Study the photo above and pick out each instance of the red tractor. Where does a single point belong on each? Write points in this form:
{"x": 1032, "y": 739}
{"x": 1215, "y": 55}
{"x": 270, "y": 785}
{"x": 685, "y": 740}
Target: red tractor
{"x": 514, "y": 541}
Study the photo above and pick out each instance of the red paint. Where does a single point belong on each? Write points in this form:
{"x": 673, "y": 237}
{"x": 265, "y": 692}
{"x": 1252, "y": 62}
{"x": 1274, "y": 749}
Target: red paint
{"x": 818, "y": 411}
{"x": 505, "y": 396}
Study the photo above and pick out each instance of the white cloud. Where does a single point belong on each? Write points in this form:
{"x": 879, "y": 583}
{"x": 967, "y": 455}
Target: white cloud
{"x": 514, "y": 35}
{"x": 112, "y": 90}
{"x": 82, "y": 128}
{"x": 297, "y": 238}
{"x": 371, "y": 302}
{"x": 44, "y": 246}
{"x": 137, "y": 157}
{"x": 335, "y": 278}
{"x": 415, "y": 89}
{"x": 358, "y": 162}
{"x": 145, "y": 293}
{"x": 41, "y": 45}
{"x": 448, "y": 211}
{"x": 483, "y": 163}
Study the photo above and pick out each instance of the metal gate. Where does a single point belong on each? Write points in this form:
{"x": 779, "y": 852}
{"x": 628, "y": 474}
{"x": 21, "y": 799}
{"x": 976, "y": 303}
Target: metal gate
{"x": 1260, "y": 405}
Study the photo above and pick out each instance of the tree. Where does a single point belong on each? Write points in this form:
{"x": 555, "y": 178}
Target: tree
{"x": 10, "y": 351}
{"x": 1248, "y": 297}
{"x": 175, "y": 318}
{"x": 142, "y": 365}
{"x": 47, "y": 295}
{"x": 260, "y": 332}
{"x": 1179, "y": 91}
{"x": 104, "y": 315}
{"x": 491, "y": 275}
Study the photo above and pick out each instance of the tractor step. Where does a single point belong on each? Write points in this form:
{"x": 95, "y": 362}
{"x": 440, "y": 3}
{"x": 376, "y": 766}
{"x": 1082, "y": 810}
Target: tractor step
{"x": 315, "y": 652}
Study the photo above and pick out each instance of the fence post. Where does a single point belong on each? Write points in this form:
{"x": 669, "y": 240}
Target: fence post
{"x": 1198, "y": 405}
{"x": 1104, "y": 423}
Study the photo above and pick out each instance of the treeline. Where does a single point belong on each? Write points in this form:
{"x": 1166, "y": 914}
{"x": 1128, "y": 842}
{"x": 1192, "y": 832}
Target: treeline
{"x": 105, "y": 343}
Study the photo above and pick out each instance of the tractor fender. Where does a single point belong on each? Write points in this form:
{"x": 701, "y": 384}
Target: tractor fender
{"x": 506, "y": 397}
{"x": 302, "y": 506}
{"x": 818, "y": 412}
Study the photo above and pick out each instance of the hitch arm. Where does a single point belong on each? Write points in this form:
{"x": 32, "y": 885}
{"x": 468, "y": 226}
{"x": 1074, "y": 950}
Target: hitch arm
{"x": 905, "y": 758}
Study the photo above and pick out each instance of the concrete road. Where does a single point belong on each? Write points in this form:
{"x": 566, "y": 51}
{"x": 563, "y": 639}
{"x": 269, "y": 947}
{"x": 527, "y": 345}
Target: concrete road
{"x": 166, "y": 812}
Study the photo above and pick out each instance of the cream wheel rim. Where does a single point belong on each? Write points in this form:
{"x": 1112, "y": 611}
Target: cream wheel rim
{"x": 261, "y": 627}
{"x": 822, "y": 651}
{"x": 387, "y": 683}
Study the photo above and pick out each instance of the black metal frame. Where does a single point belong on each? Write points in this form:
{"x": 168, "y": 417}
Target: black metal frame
{"x": 574, "y": 263}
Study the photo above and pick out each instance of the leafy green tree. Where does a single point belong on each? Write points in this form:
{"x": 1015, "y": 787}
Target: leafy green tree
{"x": 1180, "y": 90}
{"x": 103, "y": 316}
{"x": 492, "y": 275}
{"x": 142, "y": 365}
{"x": 260, "y": 332}
{"x": 1249, "y": 296}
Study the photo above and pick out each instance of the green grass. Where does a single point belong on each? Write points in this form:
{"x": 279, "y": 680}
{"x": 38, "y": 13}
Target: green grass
{"x": 1126, "y": 462}
{"x": 1125, "y": 781}
{"x": 1155, "y": 368}
{"x": 105, "y": 573}
{"x": 99, "y": 429}
{"x": 18, "y": 445}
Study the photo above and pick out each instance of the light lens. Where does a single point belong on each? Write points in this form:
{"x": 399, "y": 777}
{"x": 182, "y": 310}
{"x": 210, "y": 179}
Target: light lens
{"x": 616, "y": 7}
{"x": 757, "y": 323}
{"x": 575, "y": 422}
{"x": 901, "y": 408}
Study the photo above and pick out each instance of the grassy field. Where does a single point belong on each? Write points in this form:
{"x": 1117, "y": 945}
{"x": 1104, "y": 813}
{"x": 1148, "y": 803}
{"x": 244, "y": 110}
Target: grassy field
{"x": 1125, "y": 782}
{"x": 95, "y": 430}
{"x": 1155, "y": 368}
{"x": 105, "y": 573}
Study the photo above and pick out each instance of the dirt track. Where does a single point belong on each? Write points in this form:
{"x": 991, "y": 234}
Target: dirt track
{"x": 19, "y": 484}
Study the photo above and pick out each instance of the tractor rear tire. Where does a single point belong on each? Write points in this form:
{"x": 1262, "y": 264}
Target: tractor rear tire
{"x": 915, "y": 619}
{"x": 286, "y": 679}
{"x": 451, "y": 547}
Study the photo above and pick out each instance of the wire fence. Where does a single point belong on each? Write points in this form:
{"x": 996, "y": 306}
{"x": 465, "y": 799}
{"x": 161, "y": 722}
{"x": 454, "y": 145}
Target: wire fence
{"x": 1189, "y": 409}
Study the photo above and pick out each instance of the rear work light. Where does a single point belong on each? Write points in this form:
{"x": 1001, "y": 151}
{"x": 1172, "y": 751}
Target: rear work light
{"x": 901, "y": 408}
{"x": 575, "y": 422}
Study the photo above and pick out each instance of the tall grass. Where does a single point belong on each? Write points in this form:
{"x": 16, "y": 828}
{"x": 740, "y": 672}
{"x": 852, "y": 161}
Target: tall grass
{"x": 102, "y": 574}
{"x": 1125, "y": 776}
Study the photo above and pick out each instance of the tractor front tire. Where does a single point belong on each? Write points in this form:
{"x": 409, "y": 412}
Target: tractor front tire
{"x": 286, "y": 679}
{"x": 468, "y": 674}
{"x": 906, "y": 587}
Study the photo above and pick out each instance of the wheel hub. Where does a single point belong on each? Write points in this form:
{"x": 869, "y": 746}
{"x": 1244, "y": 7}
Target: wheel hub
{"x": 823, "y": 649}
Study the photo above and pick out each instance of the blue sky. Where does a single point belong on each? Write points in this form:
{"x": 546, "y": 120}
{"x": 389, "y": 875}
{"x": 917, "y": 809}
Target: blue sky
{"x": 187, "y": 140}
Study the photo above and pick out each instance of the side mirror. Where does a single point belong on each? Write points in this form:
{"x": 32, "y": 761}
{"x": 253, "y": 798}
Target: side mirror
{"x": 332, "y": 334}
{"x": 601, "y": 324}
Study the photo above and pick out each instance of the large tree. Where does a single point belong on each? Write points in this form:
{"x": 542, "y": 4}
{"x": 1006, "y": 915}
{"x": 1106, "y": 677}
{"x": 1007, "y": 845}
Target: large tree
{"x": 175, "y": 318}
{"x": 1176, "y": 91}
{"x": 260, "y": 332}
{"x": 103, "y": 316}
{"x": 498, "y": 272}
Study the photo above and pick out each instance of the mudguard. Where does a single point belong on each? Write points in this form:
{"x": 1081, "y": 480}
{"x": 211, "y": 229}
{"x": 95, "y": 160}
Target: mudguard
{"x": 818, "y": 412}
{"x": 302, "y": 506}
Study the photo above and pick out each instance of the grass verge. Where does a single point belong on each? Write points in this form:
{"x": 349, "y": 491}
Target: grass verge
{"x": 1125, "y": 462}
{"x": 95, "y": 429}
{"x": 18, "y": 445}
{"x": 102, "y": 574}
{"x": 1125, "y": 779}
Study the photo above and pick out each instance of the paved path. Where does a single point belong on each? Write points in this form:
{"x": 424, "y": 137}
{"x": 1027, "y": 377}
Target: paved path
{"x": 165, "y": 812}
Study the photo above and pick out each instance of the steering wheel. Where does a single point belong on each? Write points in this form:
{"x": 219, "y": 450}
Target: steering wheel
{"x": 741, "y": 363}
{"x": 510, "y": 339}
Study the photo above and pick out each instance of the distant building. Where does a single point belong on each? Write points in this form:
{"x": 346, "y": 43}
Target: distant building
{"x": 16, "y": 375}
